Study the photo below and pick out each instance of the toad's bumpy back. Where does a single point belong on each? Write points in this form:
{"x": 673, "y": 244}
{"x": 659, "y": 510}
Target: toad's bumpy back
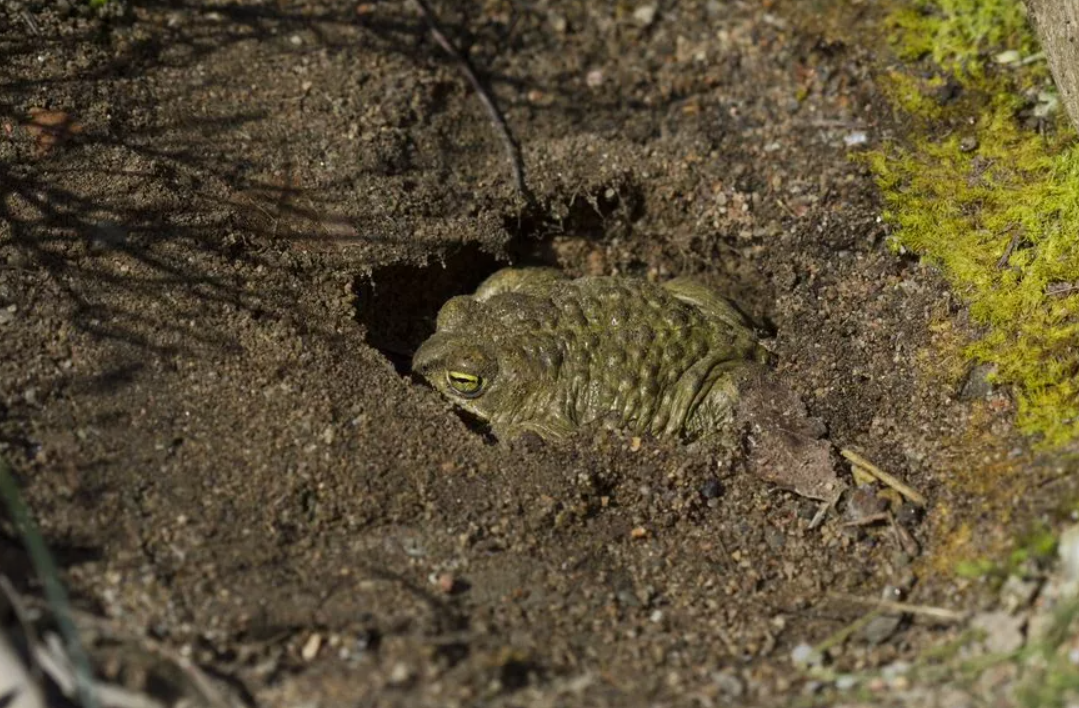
{"x": 654, "y": 363}
{"x": 556, "y": 354}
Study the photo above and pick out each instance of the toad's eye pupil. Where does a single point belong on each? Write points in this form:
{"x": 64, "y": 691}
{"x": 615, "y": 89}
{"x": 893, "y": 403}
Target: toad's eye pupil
{"x": 464, "y": 384}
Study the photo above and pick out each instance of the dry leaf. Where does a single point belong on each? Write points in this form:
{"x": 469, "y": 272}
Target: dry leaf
{"x": 786, "y": 446}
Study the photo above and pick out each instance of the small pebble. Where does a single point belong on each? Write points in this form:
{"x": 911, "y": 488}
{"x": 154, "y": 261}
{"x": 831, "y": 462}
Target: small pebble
{"x": 645, "y": 15}
{"x": 311, "y": 647}
{"x": 806, "y": 655}
{"x": 446, "y": 583}
{"x": 910, "y": 514}
{"x": 728, "y": 683}
{"x": 895, "y": 669}
{"x": 1017, "y": 593}
{"x": 880, "y": 629}
{"x": 864, "y": 502}
{"x": 400, "y": 674}
{"x": 712, "y": 488}
{"x": 1008, "y": 57}
{"x": 856, "y": 138}
{"x": 846, "y": 682}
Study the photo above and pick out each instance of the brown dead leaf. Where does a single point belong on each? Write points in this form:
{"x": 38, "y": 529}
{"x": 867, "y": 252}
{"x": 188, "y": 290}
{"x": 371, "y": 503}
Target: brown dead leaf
{"x": 786, "y": 445}
{"x": 51, "y": 128}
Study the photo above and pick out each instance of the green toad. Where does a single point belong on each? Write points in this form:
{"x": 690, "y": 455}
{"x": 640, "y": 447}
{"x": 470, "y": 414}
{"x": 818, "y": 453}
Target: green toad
{"x": 533, "y": 350}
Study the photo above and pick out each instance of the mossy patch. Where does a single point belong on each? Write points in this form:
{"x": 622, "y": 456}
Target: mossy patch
{"x": 985, "y": 184}
{"x": 957, "y": 34}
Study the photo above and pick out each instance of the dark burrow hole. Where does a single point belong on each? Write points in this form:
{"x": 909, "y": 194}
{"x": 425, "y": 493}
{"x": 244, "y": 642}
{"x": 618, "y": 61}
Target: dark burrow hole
{"x": 399, "y": 303}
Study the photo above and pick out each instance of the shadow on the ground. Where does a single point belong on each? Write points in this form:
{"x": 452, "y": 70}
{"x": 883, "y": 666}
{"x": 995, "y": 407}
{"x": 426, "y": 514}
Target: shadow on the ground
{"x": 171, "y": 197}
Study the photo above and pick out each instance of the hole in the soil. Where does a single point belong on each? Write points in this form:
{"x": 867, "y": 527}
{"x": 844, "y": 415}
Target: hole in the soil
{"x": 398, "y": 304}
{"x": 516, "y": 673}
{"x": 452, "y": 653}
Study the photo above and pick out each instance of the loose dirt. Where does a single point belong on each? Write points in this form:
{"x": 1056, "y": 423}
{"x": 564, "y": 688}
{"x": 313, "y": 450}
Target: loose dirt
{"x": 210, "y": 289}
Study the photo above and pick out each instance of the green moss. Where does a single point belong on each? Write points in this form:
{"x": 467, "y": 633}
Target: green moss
{"x": 1038, "y": 546}
{"x": 970, "y": 183}
{"x": 956, "y": 33}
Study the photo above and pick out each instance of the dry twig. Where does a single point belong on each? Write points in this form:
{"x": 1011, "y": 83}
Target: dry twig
{"x": 513, "y": 151}
{"x": 1009, "y": 249}
{"x": 893, "y": 482}
{"x": 941, "y": 614}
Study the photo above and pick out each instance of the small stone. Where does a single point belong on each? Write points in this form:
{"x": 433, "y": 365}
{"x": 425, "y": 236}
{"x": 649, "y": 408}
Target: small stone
{"x": 639, "y": 532}
{"x": 977, "y": 385}
{"x": 728, "y": 683}
{"x": 880, "y": 629}
{"x": 645, "y": 15}
{"x": 712, "y": 488}
{"x": 311, "y": 647}
{"x": 400, "y": 674}
{"x": 538, "y": 98}
{"x": 446, "y": 583}
{"x": 1048, "y": 104}
{"x": 909, "y": 514}
{"x": 295, "y": 40}
{"x": 594, "y": 78}
{"x": 1017, "y": 593}
{"x": 855, "y": 138}
{"x": 864, "y": 502}
{"x": 895, "y": 669}
{"x": 1003, "y": 632}
{"x": 805, "y": 655}
{"x": 1010, "y": 56}
{"x": 846, "y": 682}
{"x": 558, "y": 22}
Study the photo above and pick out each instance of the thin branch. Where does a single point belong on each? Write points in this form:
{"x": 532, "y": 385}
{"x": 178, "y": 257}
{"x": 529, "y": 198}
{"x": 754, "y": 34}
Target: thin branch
{"x": 890, "y": 480}
{"x": 941, "y": 614}
{"x": 513, "y": 150}
{"x": 1009, "y": 249}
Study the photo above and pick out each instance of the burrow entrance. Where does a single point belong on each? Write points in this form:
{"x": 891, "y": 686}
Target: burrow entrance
{"x": 398, "y": 303}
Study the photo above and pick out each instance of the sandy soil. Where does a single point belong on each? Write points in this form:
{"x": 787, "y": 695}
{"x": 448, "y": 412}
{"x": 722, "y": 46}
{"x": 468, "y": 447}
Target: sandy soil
{"x": 212, "y": 275}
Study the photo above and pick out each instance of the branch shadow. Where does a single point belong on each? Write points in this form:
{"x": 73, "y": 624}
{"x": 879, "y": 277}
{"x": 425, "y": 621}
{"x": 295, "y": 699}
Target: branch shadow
{"x": 162, "y": 211}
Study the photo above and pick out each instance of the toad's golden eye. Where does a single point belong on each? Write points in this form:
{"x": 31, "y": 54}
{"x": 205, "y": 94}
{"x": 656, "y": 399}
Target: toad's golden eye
{"x": 468, "y": 385}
